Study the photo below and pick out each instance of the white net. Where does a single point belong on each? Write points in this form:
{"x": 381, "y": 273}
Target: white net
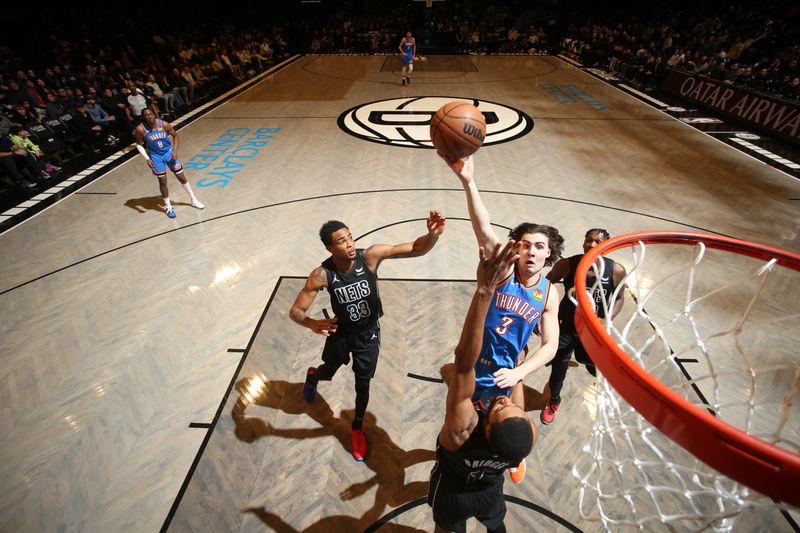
{"x": 721, "y": 330}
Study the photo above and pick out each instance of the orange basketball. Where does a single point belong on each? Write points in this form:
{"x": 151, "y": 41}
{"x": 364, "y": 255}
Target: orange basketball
{"x": 458, "y": 130}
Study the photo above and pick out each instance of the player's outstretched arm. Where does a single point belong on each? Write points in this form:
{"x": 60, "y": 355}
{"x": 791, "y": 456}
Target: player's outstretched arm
{"x": 421, "y": 245}
{"x": 316, "y": 281}
{"x": 460, "y": 415}
{"x": 478, "y": 214}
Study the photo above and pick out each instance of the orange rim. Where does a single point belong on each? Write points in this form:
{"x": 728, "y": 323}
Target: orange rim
{"x": 747, "y": 459}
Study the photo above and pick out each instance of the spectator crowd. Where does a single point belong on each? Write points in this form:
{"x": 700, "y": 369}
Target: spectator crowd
{"x": 78, "y": 95}
{"x": 751, "y": 48}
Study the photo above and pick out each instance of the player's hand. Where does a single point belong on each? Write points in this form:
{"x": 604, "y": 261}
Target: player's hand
{"x": 463, "y": 168}
{"x": 494, "y": 267}
{"x": 324, "y": 327}
{"x": 436, "y": 222}
{"x": 151, "y": 164}
{"x": 507, "y": 377}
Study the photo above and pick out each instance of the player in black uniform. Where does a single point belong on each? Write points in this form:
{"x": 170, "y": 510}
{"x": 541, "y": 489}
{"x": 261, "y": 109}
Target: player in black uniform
{"x": 350, "y": 275}
{"x": 568, "y": 341}
{"x": 474, "y": 448}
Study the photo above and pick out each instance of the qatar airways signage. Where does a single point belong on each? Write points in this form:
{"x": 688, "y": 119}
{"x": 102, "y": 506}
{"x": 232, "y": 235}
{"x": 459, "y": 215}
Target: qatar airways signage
{"x": 777, "y": 116}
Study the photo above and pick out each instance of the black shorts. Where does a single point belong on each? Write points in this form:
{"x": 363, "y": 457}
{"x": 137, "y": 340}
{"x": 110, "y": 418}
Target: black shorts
{"x": 364, "y": 345}
{"x": 451, "y": 508}
{"x": 569, "y": 342}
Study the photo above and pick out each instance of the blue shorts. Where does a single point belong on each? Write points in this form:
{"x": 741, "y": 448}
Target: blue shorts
{"x": 483, "y": 399}
{"x": 163, "y": 161}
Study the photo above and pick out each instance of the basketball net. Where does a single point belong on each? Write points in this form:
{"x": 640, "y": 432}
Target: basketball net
{"x": 720, "y": 331}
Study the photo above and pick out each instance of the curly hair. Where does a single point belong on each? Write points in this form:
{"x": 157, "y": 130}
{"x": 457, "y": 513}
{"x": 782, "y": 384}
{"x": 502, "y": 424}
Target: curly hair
{"x": 554, "y": 239}
{"x": 328, "y": 229}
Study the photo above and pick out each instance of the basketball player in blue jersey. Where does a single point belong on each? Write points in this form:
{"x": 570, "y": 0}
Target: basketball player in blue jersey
{"x": 612, "y": 274}
{"x": 474, "y": 448}
{"x": 162, "y": 153}
{"x": 522, "y": 302}
{"x": 351, "y": 276}
{"x": 408, "y": 48}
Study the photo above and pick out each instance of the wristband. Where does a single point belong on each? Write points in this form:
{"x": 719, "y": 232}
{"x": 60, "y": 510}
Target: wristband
{"x": 142, "y": 151}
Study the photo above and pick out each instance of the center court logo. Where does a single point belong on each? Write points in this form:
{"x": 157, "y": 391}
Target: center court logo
{"x": 406, "y": 121}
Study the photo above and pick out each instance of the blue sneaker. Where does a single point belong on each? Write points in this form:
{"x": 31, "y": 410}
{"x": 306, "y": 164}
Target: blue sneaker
{"x": 171, "y": 213}
{"x": 310, "y": 388}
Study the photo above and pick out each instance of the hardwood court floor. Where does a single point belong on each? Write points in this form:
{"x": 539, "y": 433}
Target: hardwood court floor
{"x": 129, "y": 339}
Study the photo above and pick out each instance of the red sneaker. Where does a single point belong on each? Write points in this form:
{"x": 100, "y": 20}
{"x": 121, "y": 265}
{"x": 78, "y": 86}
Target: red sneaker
{"x": 359, "y": 444}
{"x": 548, "y": 414}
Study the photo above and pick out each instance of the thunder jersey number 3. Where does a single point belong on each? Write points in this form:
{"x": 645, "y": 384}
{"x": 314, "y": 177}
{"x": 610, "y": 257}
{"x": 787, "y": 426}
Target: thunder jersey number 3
{"x": 503, "y": 328}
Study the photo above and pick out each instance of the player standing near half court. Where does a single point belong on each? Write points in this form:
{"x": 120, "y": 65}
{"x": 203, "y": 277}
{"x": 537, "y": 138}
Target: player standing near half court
{"x": 408, "y": 47}
{"x": 161, "y": 153}
{"x": 612, "y": 274}
{"x": 522, "y": 300}
{"x": 475, "y": 447}
{"x": 350, "y": 275}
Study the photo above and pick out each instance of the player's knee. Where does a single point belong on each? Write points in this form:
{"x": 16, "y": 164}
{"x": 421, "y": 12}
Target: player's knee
{"x": 362, "y": 384}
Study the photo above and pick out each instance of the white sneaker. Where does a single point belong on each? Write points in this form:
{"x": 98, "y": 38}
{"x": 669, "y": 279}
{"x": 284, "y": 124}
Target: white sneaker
{"x": 198, "y": 204}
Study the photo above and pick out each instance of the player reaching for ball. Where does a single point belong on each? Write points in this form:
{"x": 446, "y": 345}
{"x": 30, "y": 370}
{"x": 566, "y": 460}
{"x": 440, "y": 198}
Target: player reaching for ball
{"x": 408, "y": 47}
{"x": 521, "y": 301}
{"x": 350, "y": 275}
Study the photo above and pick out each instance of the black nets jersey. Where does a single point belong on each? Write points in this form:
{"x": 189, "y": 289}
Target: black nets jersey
{"x": 354, "y": 295}
{"x": 474, "y": 466}
{"x": 566, "y": 309}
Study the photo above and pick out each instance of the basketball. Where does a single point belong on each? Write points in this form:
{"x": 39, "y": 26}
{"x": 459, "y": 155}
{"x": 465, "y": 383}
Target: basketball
{"x": 457, "y": 130}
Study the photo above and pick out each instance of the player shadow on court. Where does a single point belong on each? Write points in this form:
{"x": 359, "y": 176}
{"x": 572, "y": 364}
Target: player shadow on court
{"x": 150, "y": 203}
{"x": 534, "y": 400}
{"x": 145, "y": 204}
{"x": 385, "y": 458}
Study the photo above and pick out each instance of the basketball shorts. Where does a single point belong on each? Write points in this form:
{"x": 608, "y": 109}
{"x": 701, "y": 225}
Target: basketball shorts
{"x": 451, "y": 507}
{"x": 483, "y": 399}
{"x": 408, "y": 59}
{"x": 363, "y": 345}
{"x": 163, "y": 161}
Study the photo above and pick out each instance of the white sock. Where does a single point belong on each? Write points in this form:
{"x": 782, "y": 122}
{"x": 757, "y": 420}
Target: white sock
{"x": 189, "y": 191}
{"x": 167, "y": 203}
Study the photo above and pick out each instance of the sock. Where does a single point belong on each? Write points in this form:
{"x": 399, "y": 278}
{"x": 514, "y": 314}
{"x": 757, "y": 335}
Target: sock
{"x": 189, "y": 191}
{"x": 167, "y": 203}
